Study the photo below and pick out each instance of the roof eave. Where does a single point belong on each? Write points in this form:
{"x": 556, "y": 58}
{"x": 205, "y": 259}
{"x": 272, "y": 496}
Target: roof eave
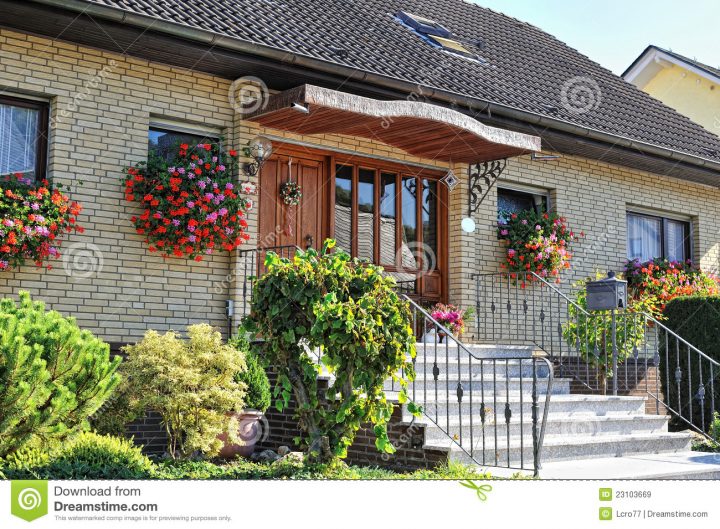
{"x": 215, "y": 39}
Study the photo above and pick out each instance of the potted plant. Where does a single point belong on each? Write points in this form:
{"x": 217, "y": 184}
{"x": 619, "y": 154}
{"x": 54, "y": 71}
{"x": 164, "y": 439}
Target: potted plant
{"x": 257, "y": 401}
{"x": 451, "y": 317}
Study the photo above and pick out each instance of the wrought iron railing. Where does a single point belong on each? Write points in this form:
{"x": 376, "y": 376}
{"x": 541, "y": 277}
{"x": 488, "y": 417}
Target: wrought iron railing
{"x": 653, "y": 360}
{"x": 494, "y": 409}
{"x": 251, "y": 265}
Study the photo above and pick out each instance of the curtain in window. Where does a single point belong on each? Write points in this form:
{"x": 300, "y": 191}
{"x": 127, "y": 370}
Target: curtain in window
{"x": 675, "y": 240}
{"x": 644, "y": 237}
{"x": 18, "y": 139}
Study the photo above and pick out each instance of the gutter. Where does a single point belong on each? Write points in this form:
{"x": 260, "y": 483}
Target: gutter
{"x": 285, "y": 57}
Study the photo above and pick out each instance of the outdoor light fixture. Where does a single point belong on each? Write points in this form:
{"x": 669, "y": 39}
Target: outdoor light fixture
{"x": 259, "y": 149}
{"x": 300, "y": 108}
{"x": 468, "y": 225}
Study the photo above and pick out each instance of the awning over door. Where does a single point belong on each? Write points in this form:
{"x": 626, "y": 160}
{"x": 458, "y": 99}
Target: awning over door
{"x": 421, "y": 129}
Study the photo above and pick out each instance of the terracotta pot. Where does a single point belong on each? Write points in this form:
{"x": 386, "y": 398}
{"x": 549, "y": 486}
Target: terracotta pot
{"x": 441, "y": 336}
{"x": 250, "y": 431}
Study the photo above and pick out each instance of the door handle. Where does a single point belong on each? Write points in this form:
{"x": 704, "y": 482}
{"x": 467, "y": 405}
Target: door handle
{"x": 309, "y": 241}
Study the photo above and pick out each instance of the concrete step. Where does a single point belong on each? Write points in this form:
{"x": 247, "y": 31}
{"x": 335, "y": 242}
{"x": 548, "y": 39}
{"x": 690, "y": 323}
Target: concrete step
{"x": 486, "y": 384}
{"x": 466, "y": 365}
{"x": 680, "y": 465}
{"x": 561, "y": 448}
{"x": 557, "y": 425}
{"x": 478, "y": 350}
{"x": 569, "y": 405}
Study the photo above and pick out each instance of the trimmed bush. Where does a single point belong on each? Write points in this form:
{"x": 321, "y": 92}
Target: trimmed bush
{"x": 53, "y": 375}
{"x": 257, "y": 396}
{"x": 87, "y": 456}
{"x": 190, "y": 383}
{"x": 697, "y": 320}
{"x": 349, "y": 309}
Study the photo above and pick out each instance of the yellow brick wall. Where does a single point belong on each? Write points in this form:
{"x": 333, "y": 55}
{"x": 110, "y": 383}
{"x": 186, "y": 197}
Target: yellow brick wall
{"x": 594, "y": 196}
{"x": 102, "y": 104}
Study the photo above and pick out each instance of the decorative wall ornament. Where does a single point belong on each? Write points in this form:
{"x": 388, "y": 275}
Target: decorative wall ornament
{"x": 482, "y": 178}
{"x": 450, "y": 180}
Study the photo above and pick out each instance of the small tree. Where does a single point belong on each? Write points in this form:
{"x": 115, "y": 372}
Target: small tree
{"x": 254, "y": 377}
{"x": 591, "y": 336}
{"x": 350, "y": 311}
{"x": 191, "y": 383}
{"x": 53, "y": 375}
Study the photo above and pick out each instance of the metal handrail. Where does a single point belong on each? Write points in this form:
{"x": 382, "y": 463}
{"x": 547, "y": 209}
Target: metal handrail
{"x": 569, "y": 356}
{"x": 250, "y": 263}
{"x": 538, "y": 426}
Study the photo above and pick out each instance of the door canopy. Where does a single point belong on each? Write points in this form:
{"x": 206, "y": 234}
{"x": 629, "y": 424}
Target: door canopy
{"x": 421, "y": 129}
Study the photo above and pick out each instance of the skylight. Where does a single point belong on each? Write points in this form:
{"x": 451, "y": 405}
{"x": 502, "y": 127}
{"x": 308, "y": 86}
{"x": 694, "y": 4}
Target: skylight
{"x": 435, "y": 34}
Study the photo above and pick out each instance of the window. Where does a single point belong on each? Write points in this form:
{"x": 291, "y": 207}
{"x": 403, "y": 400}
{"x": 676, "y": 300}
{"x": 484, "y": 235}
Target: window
{"x": 435, "y": 34}
{"x": 164, "y": 142}
{"x": 23, "y": 137}
{"x": 651, "y": 236}
{"x": 386, "y": 216}
{"x": 510, "y": 201}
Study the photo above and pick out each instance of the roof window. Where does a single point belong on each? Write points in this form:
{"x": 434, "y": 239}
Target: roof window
{"x": 435, "y": 34}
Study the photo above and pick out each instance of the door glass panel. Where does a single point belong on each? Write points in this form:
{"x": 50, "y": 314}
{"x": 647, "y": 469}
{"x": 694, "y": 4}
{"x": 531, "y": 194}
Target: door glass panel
{"x": 429, "y": 220}
{"x": 343, "y": 206}
{"x": 366, "y": 214}
{"x": 409, "y": 248}
{"x": 388, "y": 218}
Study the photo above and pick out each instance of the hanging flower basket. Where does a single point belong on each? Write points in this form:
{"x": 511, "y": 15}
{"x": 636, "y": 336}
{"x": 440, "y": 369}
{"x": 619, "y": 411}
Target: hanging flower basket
{"x": 291, "y": 193}
{"x": 191, "y": 207}
{"x": 32, "y": 217}
{"x": 537, "y": 242}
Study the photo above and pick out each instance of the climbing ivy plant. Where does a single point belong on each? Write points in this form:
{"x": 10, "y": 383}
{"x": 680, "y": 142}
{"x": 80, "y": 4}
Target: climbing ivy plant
{"x": 329, "y": 306}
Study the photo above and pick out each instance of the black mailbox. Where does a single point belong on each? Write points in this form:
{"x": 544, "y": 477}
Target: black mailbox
{"x": 607, "y": 294}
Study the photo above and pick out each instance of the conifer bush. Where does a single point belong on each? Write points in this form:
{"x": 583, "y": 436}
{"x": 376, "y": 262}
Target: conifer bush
{"x": 53, "y": 375}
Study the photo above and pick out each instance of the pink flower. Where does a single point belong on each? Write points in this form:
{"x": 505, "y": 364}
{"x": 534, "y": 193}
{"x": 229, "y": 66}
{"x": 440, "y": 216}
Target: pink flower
{"x": 504, "y": 232}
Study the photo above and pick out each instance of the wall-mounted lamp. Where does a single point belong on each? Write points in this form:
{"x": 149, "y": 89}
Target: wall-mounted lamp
{"x": 300, "y": 108}
{"x": 259, "y": 149}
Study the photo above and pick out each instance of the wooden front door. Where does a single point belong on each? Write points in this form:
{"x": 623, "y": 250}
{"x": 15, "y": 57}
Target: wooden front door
{"x": 303, "y": 225}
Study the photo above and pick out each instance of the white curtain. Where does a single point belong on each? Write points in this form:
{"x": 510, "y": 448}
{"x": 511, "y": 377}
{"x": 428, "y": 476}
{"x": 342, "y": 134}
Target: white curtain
{"x": 18, "y": 135}
{"x": 644, "y": 237}
{"x": 675, "y": 240}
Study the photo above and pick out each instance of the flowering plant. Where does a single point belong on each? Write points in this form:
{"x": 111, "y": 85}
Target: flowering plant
{"x": 32, "y": 216}
{"x": 190, "y": 205}
{"x": 537, "y": 242}
{"x": 660, "y": 280}
{"x": 451, "y": 317}
{"x": 291, "y": 193}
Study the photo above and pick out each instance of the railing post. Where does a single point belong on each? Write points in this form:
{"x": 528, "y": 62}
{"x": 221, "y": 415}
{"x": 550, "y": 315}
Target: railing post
{"x": 535, "y": 410}
{"x": 613, "y": 327}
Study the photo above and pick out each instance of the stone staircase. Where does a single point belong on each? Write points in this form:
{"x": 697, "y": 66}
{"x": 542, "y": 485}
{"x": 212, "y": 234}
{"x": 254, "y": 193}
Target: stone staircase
{"x": 609, "y": 437}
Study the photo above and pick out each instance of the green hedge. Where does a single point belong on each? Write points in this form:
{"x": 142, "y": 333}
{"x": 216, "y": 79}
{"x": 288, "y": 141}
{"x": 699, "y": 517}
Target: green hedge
{"x": 697, "y": 320}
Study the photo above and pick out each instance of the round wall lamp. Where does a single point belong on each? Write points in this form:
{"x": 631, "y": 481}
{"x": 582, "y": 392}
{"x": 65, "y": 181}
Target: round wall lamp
{"x": 468, "y": 225}
{"x": 259, "y": 149}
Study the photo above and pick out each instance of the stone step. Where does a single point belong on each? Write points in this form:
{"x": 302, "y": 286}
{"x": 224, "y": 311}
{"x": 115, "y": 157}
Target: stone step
{"x": 562, "y": 448}
{"x": 556, "y": 425}
{"x": 466, "y": 366}
{"x": 570, "y": 405}
{"x": 680, "y": 465}
{"x": 486, "y": 384}
{"x": 478, "y": 350}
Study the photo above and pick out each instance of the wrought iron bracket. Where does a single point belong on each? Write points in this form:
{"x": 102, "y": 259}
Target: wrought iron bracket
{"x": 482, "y": 179}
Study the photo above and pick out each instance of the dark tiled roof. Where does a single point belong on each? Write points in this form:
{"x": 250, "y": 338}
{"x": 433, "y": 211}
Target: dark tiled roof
{"x": 522, "y": 67}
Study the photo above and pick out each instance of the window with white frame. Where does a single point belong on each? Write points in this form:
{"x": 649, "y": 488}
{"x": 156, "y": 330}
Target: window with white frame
{"x": 23, "y": 137}
{"x": 655, "y": 236}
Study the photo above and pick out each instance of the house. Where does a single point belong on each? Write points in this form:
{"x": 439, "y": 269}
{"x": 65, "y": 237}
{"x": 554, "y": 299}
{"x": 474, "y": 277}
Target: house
{"x": 394, "y": 116}
{"x": 685, "y": 84}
